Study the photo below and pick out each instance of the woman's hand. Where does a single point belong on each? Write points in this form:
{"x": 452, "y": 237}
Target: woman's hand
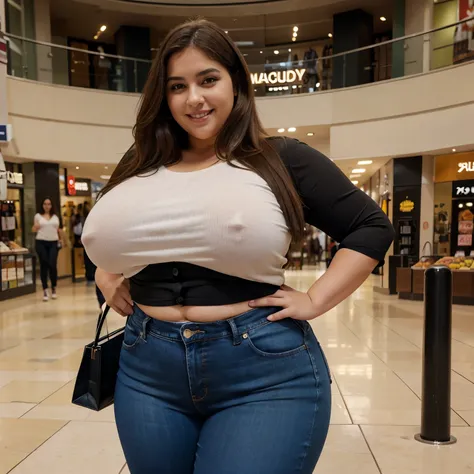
{"x": 36, "y": 227}
{"x": 116, "y": 291}
{"x": 295, "y": 304}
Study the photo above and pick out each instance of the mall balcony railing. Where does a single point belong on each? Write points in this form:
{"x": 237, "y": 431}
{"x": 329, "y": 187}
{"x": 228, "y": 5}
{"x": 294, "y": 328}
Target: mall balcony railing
{"x": 404, "y": 56}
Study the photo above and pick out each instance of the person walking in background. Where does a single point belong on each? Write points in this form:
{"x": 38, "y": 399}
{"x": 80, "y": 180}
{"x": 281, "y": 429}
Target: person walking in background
{"x": 48, "y": 241}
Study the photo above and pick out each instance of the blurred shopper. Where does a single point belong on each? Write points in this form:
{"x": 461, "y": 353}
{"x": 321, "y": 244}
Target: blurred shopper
{"x": 220, "y": 371}
{"x": 48, "y": 242}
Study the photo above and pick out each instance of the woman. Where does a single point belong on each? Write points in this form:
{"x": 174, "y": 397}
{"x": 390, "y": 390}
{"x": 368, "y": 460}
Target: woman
{"x": 220, "y": 372}
{"x": 48, "y": 238}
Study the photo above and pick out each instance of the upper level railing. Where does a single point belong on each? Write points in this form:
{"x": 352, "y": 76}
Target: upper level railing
{"x": 411, "y": 54}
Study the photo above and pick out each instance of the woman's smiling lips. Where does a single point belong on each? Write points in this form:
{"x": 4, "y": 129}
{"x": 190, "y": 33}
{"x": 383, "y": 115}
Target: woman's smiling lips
{"x": 201, "y": 116}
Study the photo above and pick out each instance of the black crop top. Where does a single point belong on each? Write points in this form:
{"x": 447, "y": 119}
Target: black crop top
{"x": 331, "y": 203}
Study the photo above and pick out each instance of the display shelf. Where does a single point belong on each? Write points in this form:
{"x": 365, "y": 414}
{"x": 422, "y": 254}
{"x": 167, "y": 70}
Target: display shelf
{"x": 17, "y": 274}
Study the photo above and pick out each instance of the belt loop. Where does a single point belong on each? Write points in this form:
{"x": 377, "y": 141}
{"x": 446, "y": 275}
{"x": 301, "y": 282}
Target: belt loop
{"x": 144, "y": 323}
{"x": 235, "y": 332}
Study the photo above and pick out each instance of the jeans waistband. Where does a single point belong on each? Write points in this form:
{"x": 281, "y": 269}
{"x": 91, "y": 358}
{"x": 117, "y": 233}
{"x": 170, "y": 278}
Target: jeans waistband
{"x": 235, "y": 327}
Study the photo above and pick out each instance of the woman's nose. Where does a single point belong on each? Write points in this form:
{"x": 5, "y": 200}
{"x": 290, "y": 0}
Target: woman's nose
{"x": 194, "y": 97}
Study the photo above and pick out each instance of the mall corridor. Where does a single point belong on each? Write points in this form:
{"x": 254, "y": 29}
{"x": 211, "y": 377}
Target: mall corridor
{"x": 373, "y": 343}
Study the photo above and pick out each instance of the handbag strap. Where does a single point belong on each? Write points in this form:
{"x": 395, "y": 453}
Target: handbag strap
{"x": 100, "y": 323}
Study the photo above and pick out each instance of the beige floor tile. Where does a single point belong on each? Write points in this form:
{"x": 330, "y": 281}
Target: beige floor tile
{"x": 14, "y": 410}
{"x": 62, "y": 396}
{"x": 346, "y": 452}
{"x": 28, "y": 392}
{"x": 58, "y": 412}
{"x": 467, "y": 415}
{"x": 339, "y": 413}
{"x": 106, "y": 415}
{"x": 77, "y": 448}
{"x": 18, "y": 438}
{"x": 125, "y": 470}
{"x": 397, "y": 452}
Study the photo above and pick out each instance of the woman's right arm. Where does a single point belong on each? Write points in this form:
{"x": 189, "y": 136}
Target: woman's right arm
{"x": 116, "y": 291}
{"x": 36, "y": 226}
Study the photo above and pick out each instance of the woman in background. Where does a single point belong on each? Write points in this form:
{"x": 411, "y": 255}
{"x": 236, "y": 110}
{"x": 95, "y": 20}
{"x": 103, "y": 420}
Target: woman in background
{"x": 48, "y": 237}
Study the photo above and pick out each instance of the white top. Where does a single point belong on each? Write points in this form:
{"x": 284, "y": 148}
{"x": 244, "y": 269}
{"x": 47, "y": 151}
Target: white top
{"x": 222, "y": 218}
{"x": 48, "y": 228}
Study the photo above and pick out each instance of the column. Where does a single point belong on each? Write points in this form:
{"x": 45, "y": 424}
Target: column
{"x": 3, "y": 72}
{"x": 134, "y": 42}
{"x": 427, "y": 206}
{"x": 352, "y": 30}
{"x": 43, "y": 33}
{"x": 418, "y": 18}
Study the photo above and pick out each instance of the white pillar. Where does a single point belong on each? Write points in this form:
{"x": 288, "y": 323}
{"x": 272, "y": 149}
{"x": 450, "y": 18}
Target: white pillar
{"x": 427, "y": 205}
{"x": 418, "y": 18}
{"x": 43, "y": 33}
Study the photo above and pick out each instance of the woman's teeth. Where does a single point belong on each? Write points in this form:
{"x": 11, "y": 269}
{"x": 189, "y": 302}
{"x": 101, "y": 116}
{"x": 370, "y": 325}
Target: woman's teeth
{"x": 198, "y": 116}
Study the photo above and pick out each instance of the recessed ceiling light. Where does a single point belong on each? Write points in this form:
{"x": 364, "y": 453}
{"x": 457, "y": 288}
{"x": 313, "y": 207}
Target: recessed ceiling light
{"x": 261, "y": 52}
{"x": 318, "y": 84}
{"x": 293, "y": 39}
{"x": 289, "y": 50}
{"x": 276, "y": 51}
{"x": 226, "y": 31}
{"x": 454, "y": 150}
{"x": 358, "y": 171}
{"x": 295, "y": 34}
{"x": 281, "y": 130}
{"x": 292, "y": 129}
{"x": 96, "y": 37}
{"x": 310, "y": 134}
{"x": 382, "y": 18}
{"x": 77, "y": 167}
{"x": 330, "y": 35}
{"x": 365, "y": 162}
{"x": 355, "y": 176}
{"x": 103, "y": 28}
{"x": 105, "y": 176}
{"x": 295, "y": 28}
{"x": 355, "y": 182}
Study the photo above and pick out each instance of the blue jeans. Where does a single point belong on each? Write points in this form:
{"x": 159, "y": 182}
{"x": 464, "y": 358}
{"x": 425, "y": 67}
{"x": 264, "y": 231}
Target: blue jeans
{"x": 240, "y": 396}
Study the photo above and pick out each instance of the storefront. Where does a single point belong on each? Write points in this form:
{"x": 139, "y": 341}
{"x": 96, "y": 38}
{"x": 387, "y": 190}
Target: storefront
{"x": 16, "y": 263}
{"x": 76, "y": 202}
{"x": 453, "y": 231}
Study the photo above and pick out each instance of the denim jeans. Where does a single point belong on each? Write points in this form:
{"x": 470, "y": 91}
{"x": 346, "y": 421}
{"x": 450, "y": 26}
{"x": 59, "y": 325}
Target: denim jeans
{"x": 240, "y": 396}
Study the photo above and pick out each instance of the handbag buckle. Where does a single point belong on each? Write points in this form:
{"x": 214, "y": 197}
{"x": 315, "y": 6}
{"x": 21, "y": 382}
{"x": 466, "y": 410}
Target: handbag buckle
{"x": 94, "y": 350}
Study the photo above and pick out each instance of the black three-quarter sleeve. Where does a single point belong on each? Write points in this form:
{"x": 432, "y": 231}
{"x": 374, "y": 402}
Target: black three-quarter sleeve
{"x": 333, "y": 204}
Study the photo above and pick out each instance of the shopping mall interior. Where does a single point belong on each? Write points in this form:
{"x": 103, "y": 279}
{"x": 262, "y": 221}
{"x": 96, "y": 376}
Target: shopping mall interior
{"x": 381, "y": 87}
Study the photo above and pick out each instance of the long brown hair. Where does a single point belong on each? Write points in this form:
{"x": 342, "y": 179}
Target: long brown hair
{"x": 242, "y": 140}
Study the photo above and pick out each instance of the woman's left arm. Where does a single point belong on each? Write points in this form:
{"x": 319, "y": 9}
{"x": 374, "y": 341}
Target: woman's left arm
{"x": 334, "y": 205}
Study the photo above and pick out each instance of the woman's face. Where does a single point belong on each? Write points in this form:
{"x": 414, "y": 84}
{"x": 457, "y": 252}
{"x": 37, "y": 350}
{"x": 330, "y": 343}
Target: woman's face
{"x": 200, "y": 94}
{"x": 47, "y": 206}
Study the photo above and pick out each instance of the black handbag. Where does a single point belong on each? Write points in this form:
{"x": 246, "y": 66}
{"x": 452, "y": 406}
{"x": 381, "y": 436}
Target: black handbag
{"x": 95, "y": 383}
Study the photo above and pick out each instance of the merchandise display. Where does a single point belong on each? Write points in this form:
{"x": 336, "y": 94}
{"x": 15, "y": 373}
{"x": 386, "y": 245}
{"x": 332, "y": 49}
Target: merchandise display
{"x": 17, "y": 274}
{"x": 424, "y": 263}
{"x": 11, "y": 247}
{"x": 457, "y": 263}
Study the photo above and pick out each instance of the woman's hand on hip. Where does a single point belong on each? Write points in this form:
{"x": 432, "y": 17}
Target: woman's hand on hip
{"x": 295, "y": 304}
{"x": 116, "y": 291}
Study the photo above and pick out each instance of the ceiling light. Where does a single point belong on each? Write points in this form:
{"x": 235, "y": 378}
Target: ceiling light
{"x": 295, "y": 28}
{"x": 226, "y": 31}
{"x": 461, "y": 206}
{"x": 358, "y": 171}
{"x": 469, "y": 204}
{"x": 289, "y": 50}
{"x": 295, "y": 34}
{"x": 355, "y": 176}
{"x": 96, "y": 37}
{"x": 105, "y": 176}
{"x": 330, "y": 35}
{"x": 276, "y": 51}
{"x": 292, "y": 129}
{"x": 382, "y": 18}
{"x": 293, "y": 39}
{"x": 261, "y": 52}
{"x": 454, "y": 150}
{"x": 317, "y": 84}
{"x": 103, "y": 28}
{"x": 77, "y": 167}
{"x": 355, "y": 182}
{"x": 281, "y": 130}
{"x": 310, "y": 134}
{"x": 365, "y": 162}
{"x": 294, "y": 86}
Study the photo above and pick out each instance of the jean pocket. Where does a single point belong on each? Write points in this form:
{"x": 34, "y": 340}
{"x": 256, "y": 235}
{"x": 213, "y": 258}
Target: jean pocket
{"x": 132, "y": 336}
{"x": 325, "y": 360}
{"x": 282, "y": 338}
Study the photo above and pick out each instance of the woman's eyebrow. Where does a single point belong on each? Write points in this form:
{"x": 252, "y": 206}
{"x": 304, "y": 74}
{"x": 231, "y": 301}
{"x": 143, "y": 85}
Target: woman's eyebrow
{"x": 199, "y": 74}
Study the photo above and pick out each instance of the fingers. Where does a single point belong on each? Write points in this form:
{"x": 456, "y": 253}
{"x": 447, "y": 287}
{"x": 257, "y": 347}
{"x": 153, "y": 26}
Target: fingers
{"x": 284, "y": 313}
{"x": 267, "y": 301}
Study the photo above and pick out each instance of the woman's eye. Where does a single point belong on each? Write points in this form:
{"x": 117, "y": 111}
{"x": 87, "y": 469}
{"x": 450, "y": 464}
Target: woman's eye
{"x": 210, "y": 80}
{"x": 177, "y": 87}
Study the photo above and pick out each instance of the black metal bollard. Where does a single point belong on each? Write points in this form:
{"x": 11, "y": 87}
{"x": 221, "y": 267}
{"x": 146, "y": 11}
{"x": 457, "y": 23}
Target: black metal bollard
{"x": 436, "y": 392}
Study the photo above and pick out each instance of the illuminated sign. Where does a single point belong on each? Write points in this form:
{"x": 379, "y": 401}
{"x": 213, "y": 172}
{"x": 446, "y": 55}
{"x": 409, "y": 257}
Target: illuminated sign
{"x": 77, "y": 186}
{"x": 278, "y": 77}
{"x": 407, "y": 206}
{"x": 466, "y": 166}
{"x": 14, "y": 178}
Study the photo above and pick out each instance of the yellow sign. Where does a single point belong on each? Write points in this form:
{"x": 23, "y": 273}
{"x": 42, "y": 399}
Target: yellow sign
{"x": 407, "y": 206}
{"x": 278, "y": 77}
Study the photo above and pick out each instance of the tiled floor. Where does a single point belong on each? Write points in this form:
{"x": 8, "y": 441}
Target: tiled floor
{"x": 373, "y": 344}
